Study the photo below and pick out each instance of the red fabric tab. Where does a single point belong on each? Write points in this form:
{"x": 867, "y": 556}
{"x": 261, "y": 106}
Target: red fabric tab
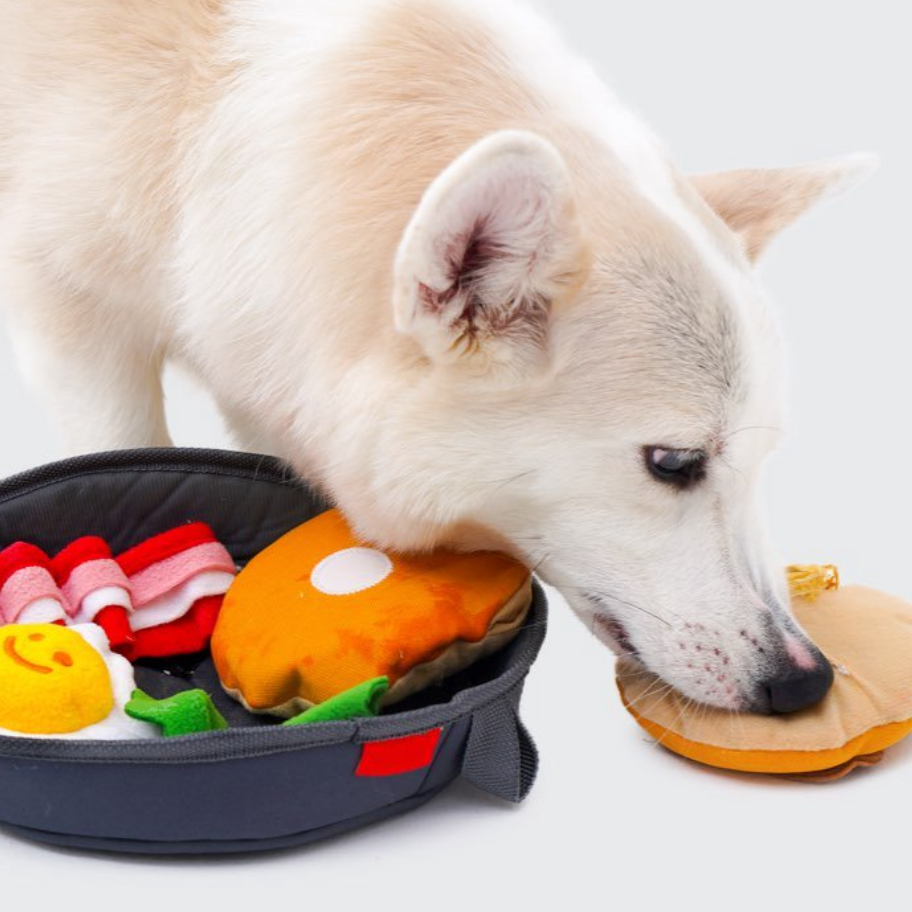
{"x": 115, "y": 622}
{"x": 398, "y": 755}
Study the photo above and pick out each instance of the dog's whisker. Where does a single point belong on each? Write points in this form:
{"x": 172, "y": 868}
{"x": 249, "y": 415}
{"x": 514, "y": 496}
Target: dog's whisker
{"x": 685, "y": 707}
{"x": 643, "y": 673}
{"x": 636, "y": 607}
{"x": 598, "y": 595}
{"x": 753, "y": 427}
{"x": 500, "y": 484}
{"x": 637, "y": 705}
{"x": 653, "y": 688}
{"x": 592, "y": 619}
{"x": 539, "y": 562}
{"x": 733, "y": 468}
{"x": 655, "y": 691}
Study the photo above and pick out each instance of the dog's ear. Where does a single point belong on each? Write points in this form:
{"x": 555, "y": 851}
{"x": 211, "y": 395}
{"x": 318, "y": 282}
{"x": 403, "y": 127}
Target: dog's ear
{"x": 758, "y": 203}
{"x": 492, "y": 248}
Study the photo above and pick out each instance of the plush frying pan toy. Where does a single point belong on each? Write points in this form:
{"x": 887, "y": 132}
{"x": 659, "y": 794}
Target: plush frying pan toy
{"x": 319, "y": 612}
{"x": 868, "y": 638}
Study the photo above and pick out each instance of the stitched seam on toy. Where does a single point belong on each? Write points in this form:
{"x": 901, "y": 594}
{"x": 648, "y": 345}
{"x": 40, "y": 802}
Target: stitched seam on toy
{"x": 100, "y": 842}
{"x": 115, "y": 757}
{"x": 505, "y": 626}
{"x": 151, "y": 457}
{"x": 438, "y": 747}
{"x": 362, "y": 737}
{"x": 11, "y": 498}
{"x": 185, "y": 460}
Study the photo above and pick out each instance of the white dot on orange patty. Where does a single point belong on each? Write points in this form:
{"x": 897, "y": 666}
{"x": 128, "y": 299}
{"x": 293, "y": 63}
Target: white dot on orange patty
{"x": 351, "y": 570}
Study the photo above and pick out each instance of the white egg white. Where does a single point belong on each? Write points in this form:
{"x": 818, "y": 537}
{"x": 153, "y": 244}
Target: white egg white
{"x": 118, "y": 726}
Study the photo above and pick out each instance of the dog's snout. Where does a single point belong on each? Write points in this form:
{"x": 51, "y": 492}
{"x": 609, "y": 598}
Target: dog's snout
{"x": 798, "y": 688}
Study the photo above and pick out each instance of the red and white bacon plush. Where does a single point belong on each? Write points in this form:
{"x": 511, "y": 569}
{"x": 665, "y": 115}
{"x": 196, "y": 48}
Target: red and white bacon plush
{"x": 178, "y": 580}
{"x": 95, "y": 588}
{"x": 28, "y": 591}
{"x": 160, "y": 598}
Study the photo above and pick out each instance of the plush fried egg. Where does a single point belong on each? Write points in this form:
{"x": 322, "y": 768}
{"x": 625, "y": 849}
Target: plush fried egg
{"x": 64, "y": 682}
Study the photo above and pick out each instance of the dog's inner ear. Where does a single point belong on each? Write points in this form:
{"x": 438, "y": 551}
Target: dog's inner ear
{"x": 758, "y": 203}
{"x": 492, "y": 248}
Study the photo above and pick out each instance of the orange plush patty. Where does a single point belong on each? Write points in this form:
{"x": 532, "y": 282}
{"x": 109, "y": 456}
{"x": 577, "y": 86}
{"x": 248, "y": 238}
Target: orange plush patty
{"x": 867, "y": 635}
{"x": 319, "y": 612}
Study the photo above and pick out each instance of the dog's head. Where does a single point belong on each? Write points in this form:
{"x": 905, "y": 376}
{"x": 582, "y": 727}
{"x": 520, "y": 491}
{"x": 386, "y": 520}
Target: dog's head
{"x": 599, "y": 386}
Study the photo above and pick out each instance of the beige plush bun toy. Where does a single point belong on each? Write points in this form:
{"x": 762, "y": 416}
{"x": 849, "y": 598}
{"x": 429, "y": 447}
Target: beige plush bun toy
{"x": 865, "y": 634}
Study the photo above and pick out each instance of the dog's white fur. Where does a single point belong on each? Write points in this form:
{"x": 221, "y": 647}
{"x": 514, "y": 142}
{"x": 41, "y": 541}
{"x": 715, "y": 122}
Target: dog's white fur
{"x": 420, "y": 251}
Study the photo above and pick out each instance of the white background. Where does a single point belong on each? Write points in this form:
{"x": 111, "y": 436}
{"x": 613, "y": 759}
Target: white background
{"x": 615, "y": 821}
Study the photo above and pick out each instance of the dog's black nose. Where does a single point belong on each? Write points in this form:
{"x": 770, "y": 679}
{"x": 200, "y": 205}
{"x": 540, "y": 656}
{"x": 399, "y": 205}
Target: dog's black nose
{"x": 799, "y": 688}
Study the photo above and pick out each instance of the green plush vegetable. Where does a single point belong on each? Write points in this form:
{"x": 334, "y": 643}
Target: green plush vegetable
{"x": 358, "y": 701}
{"x": 192, "y": 711}
{"x": 184, "y": 713}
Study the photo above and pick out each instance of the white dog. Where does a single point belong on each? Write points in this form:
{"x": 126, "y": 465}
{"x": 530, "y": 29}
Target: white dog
{"x": 417, "y": 249}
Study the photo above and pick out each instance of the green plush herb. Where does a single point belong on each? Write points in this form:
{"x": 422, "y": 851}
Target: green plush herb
{"x": 359, "y": 701}
{"x": 184, "y": 713}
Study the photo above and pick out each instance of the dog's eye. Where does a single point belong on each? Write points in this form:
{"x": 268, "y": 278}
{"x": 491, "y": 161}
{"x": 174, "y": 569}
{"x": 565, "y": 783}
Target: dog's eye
{"x": 682, "y": 468}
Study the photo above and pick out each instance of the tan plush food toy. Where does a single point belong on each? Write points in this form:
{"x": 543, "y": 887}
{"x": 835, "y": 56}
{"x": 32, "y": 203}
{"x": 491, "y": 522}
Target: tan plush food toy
{"x": 319, "y": 612}
{"x": 866, "y": 634}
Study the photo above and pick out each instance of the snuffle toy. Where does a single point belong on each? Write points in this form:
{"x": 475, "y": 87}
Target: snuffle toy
{"x": 867, "y": 635}
{"x": 160, "y": 598}
{"x": 316, "y": 628}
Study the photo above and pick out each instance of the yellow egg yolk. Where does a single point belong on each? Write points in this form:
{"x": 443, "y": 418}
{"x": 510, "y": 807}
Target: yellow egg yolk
{"x": 52, "y": 681}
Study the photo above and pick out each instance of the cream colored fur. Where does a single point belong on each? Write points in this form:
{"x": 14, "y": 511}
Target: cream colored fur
{"x": 279, "y": 195}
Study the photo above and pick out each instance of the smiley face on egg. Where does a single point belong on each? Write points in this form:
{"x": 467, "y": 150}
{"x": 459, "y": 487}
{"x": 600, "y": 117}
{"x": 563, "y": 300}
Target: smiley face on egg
{"x": 64, "y": 682}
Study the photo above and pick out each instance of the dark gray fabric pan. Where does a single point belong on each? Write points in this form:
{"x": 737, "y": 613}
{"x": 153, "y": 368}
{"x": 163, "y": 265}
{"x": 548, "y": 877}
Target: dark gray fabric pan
{"x": 257, "y": 785}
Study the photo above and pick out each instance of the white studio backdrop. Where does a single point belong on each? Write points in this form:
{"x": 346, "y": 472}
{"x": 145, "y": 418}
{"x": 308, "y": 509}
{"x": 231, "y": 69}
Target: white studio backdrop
{"x": 615, "y": 821}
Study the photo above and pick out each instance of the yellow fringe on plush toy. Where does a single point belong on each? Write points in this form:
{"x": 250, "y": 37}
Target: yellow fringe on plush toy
{"x": 807, "y": 581}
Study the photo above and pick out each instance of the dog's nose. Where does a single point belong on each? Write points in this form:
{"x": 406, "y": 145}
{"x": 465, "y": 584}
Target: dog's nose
{"x": 799, "y": 688}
